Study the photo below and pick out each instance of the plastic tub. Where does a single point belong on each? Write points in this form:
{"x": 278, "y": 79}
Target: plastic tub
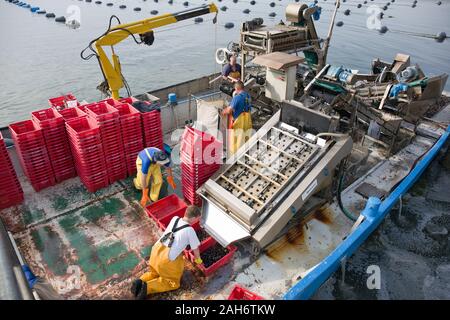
{"x": 164, "y": 207}
{"x": 209, "y": 242}
{"x": 239, "y": 293}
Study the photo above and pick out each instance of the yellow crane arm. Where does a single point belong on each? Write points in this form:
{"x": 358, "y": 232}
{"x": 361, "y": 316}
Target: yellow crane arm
{"x": 112, "y": 70}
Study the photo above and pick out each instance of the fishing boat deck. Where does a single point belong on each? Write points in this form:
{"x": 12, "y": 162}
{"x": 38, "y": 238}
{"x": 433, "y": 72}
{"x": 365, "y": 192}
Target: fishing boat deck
{"x": 107, "y": 235}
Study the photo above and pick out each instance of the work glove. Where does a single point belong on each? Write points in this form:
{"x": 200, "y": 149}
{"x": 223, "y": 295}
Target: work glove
{"x": 145, "y": 197}
{"x": 171, "y": 182}
{"x": 198, "y": 260}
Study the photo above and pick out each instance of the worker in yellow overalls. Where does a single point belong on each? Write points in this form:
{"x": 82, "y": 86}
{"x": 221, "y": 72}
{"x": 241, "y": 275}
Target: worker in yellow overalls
{"x": 240, "y": 120}
{"x": 148, "y": 165}
{"x": 232, "y": 70}
{"x": 166, "y": 264}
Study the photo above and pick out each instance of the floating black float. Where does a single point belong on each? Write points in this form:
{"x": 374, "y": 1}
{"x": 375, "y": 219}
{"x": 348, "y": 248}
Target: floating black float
{"x": 272, "y": 4}
{"x": 154, "y": 12}
{"x": 185, "y": 3}
{"x": 235, "y": 1}
{"x": 122, "y": 6}
{"x": 347, "y": 12}
{"x": 253, "y": 2}
{"x": 41, "y": 12}
{"x": 339, "y": 23}
{"x": 88, "y": 0}
{"x": 359, "y": 5}
{"x": 441, "y": 36}
{"x": 61, "y": 19}
{"x": 383, "y": 29}
{"x": 170, "y": 1}
{"x": 198, "y": 20}
{"x": 229, "y": 25}
{"x": 137, "y": 9}
{"x": 272, "y": 14}
{"x": 110, "y": 4}
{"x": 224, "y": 8}
{"x": 246, "y": 11}
{"x": 98, "y": 2}
{"x": 50, "y": 15}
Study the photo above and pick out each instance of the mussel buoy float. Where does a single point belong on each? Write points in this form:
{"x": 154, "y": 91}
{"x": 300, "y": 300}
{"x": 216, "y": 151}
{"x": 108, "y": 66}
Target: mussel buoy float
{"x": 61, "y": 19}
{"x": 246, "y": 11}
{"x": 441, "y": 36}
{"x": 272, "y": 14}
{"x": 137, "y": 9}
{"x": 50, "y": 15}
{"x": 41, "y": 12}
{"x": 272, "y": 4}
{"x": 383, "y": 29}
{"x": 339, "y": 23}
{"x": 110, "y": 4}
{"x": 34, "y": 9}
{"x": 439, "y": 3}
{"x": 155, "y": 0}
{"x": 88, "y": 0}
{"x": 229, "y": 25}
{"x": 235, "y": 1}
{"x": 253, "y": 2}
{"x": 359, "y": 5}
{"x": 385, "y": 8}
{"x": 170, "y": 1}
{"x": 98, "y": 2}
{"x": 154, "y": 12}
{"x": 224, "y": 8}
{"x": 122, "y": 6}
{"x": 347, "y": 12}
{"x": 414, "y": 5}
{"x": 185, "y": 3}
{"x": 198, "y": 20}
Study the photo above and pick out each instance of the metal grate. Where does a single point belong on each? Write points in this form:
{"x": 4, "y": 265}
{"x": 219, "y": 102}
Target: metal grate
{"x": 265, "y": 168}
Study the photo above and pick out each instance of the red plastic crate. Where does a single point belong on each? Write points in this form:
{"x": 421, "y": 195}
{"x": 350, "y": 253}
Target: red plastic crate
{"x": 240, "y": 293}
{"x": 25, "y": 130}
{"x": 47, "y": 118}
{"x": 129, "y": 100}
{"x": 101, "y": 111}
{"x": 71, "y": 113}
{"x": 59, "y": 101}
{"x": 111, "y": 101}
{"x": 82, "y": 127}
{"x": 165, "y": 207}
{"x": 216, "y": 265}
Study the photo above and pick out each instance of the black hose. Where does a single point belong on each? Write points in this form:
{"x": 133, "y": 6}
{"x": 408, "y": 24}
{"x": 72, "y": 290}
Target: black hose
{"x": 346, "y": 212}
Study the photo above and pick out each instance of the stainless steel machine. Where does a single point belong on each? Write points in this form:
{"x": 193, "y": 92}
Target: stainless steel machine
{"x": 258, "y": 190}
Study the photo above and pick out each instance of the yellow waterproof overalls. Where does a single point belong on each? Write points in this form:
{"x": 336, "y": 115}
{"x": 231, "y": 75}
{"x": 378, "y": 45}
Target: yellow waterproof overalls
{"x": 235, "y": 75}
{"x": 240, "y": 129}
{"x": 155, "y": 172}
{"x": 163, "y": 275}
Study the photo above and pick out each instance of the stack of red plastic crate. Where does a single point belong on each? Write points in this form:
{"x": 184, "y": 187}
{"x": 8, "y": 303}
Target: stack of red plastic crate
{"x": 32, "y": 152}
{"x": 52, "y": 125}
{"x": 87, "y": 151}
{"x": 60, "y": 102}
{"x": 11, "y": 192}
{"x": 201, "y": 156}
{"x": 153, "y": 133}
{"x": 131, "y": 128}
{"x": 108, "y": 120}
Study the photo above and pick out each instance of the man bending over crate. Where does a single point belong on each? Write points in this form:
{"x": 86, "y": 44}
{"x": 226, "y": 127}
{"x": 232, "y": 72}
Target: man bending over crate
{"x": 148, "y": 165}
{"x": 166, "y": 263}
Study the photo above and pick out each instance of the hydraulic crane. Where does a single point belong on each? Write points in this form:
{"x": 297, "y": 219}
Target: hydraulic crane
{"x": 111, "y": 70}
